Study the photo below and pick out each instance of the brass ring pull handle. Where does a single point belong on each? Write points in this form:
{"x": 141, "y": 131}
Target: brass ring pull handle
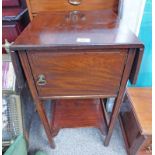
{"x": 75, "y": 2}
{"x": 41, "y": 80}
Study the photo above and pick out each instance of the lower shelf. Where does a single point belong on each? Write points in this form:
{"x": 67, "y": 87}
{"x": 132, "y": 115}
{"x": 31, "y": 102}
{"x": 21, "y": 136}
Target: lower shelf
{"x": 76, "y": 113}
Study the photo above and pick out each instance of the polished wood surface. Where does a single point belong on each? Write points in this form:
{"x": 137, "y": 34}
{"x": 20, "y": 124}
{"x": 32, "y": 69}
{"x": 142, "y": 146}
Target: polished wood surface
{"x": 141, "y": 100}
{"x": 78, "y": 74}
{"x": 38, "y": 103}
{"x": 119, "y": 98}
{"x": 38, "y": 6}
{"x": 130, "y": 125}
{"x": 136, "y": 121}
{"x": 78, "y": 54}
{"x": 73, "y": 113}
{"x": 136, "y": 66}
{"x": 80, "y": 30}
{"x": 95, "y": 29}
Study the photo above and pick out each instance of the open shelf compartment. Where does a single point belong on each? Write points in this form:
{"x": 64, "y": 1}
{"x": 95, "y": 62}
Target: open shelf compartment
{"x": 74, "y": 113}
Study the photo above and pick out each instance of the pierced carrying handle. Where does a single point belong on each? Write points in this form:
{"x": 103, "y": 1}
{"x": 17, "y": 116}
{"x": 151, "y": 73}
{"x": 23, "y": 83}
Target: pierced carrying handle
{"x": 41, "y": 80}
{"x": 75, "y": 2}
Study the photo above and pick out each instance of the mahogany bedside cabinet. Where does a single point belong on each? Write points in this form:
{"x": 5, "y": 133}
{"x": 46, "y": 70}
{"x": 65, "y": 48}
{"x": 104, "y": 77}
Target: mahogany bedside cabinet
{"x": 76, "y": 59}
{"x": 136, "y": 121}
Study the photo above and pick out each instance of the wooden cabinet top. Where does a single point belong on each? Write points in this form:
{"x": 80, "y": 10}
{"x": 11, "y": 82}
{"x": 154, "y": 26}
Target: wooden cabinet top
{"x": 141, "y": 101}
{"x": 76, "y": 29}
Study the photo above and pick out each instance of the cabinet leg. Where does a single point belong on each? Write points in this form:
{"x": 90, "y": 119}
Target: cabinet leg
{"x": 55, "y": 132}
{"x": 115, "y": 113}
{"x": 44, "y": 120}
{"x": 38, "y": 103}
{"x": 112, "y": 122}
{"x": 120, "y": 96}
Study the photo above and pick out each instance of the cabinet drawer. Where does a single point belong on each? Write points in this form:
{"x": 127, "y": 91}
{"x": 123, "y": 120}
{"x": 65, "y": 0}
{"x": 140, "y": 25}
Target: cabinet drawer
{"x": 77, "y": 73}
{"x": 63, "y": 5}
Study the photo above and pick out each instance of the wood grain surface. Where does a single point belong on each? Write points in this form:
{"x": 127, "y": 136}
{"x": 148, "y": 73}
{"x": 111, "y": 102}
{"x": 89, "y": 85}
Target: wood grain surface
{"x": 70, "y": 30}
{"x": 141, "y": 101}
{"x": 81, "y": 54}
{"x": 38, "y": 6}
{"x": 38, "y": 103}
{"x": 120, "y": 95}
{"x": 77, "y": 74}
{"x": 73, "y": 113}
{"x": 136, "y": 121}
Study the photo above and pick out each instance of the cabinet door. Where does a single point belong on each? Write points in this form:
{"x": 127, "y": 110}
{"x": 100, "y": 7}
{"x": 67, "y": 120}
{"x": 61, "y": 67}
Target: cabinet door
{"x": 77, "y": 73}
{"x": 7, "y": 3}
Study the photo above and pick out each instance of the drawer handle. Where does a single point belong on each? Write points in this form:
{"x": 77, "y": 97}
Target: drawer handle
{"x": 41, "y": 80}
{"x": 75, "y": 2}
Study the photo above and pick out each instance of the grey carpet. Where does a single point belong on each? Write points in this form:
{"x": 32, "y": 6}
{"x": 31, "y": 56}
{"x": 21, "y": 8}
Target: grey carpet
{"x": 79, "y": 141}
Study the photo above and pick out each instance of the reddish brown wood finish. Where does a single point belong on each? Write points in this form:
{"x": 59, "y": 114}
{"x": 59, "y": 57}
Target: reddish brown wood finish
{"x": 73, "y": 113}
{"x": 136, "y": 122}
{"x": 81, "y": 74}
{"x": 50, "y": 30}
{"x": 38, "y": 6}
{"x": 38, "y": 103}
{"x": 136, "y": 66}
{"x": 138, "y": 139}
{"x": 118, "y": 101}
{"x": 104, "y": 31}
{"x": 102, "y": 64}
{"x": 141, "y": 102}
